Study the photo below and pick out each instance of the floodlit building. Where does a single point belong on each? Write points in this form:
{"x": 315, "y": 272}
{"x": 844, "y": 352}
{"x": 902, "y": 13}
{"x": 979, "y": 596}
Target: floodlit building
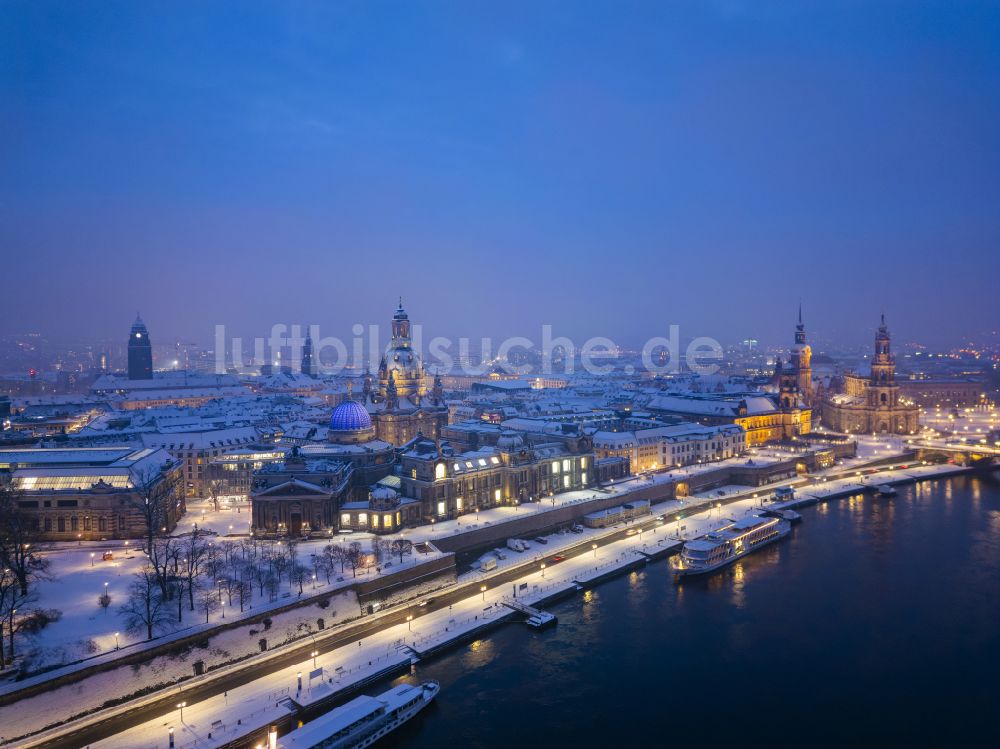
{"x": 401, "y": 408}
{"x": 874, "y": 403}
{"x": 299, "y": 497}
{"x": 668, "y": 446}
{"x": 92, "y": 494}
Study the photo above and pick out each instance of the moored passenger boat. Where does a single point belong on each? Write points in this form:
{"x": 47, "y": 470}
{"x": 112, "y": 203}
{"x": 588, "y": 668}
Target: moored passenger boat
{"x": 715, "y": 550}
{"x": 364, "y": 720}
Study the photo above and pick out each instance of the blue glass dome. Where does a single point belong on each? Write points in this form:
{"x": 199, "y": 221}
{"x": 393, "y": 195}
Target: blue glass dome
{"x": 350, "y": 416}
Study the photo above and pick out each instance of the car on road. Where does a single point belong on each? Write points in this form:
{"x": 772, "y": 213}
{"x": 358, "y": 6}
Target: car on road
{"x": 557, "y": 558}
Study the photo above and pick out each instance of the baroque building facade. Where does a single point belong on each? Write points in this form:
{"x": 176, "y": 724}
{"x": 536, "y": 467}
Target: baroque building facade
{"x": 874, "y": 403}
{"x": 801, "y": 359}
{"x": 401, "y": 407}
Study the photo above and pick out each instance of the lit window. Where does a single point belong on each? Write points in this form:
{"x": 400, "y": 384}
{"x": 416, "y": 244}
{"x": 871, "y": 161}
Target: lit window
{"x": 496, "y": 496}
{"x": 481, "y": 461}
{"x": 458, "y": 503}
{"x": 495, "y": 460}
{"x": 441, "y": 508}
{"x": 439, "y": 471}
{"x": 583, "y": 462}
{"x": 565, "y": 481}
{"x": 555, "y": 466}
{"x": 566, "y": 464}
{"x": 362, "y": 518}
{"x": 374, "y": 521}
{"x": 345, "y": 518}
{"x": 387, "y": 520}
{"x": 583, "y": 478}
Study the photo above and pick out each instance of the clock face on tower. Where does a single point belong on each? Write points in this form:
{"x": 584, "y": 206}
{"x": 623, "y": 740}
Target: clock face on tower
{"x": 138, "y": 335}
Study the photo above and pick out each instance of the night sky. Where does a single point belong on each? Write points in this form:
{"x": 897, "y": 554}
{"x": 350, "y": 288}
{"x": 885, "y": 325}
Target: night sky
{"x": 607, "y": 168}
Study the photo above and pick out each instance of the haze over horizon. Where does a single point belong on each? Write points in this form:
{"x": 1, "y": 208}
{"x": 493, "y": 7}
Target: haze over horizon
{"x": 608, "y": 170}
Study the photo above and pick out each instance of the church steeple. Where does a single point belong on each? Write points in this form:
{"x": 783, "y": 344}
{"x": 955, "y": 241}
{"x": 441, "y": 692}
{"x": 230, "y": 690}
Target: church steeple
{"x": 884, "y": 364}
{"x": 307, "y": 355}
{"x": 801, "y": 359}
{"x": 400, "y": 327}
{"x": 800, "y": 329}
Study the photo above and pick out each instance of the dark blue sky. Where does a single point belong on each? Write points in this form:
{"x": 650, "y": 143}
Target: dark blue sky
{"x": 608, "y": 168}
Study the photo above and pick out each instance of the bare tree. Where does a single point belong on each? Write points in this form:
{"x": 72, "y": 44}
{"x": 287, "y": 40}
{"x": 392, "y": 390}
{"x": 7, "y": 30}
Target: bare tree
{"x": 208, "y": 602}
{"x": 155, "y": 495}
{"x": 164, "y": 558}
{"x": 215, "y": 487}
{"x": 324, "y": 562}
{"x": 15, "y": 616}
{"x": 193, "y": 552}
{"x": 20, "y": 541}
{"x": 145, "y": 608}
{"x": 355, "y": 557}
{"x": 337, "y": 555}
{"x": 382, "y": 549}
{"x": 400, "y": 547}
{"x": 12, "y": 601}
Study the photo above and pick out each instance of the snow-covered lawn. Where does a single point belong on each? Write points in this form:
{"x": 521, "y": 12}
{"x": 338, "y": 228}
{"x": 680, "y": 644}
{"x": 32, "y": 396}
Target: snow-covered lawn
{"x": 85, "y": 630}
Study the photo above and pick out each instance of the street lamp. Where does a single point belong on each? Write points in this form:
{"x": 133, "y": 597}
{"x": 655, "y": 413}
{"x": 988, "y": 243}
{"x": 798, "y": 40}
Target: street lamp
{"x": 594, "y": 547}
{"x": 181, "y": 706}
{"x": 91, "y": 559}
{"x": 314, "y": 654}
{"x": 170, "y": 733}
{"x": 116, "y": 641}
{"x": 409, "y": 622}
{"x": 543, "y": 569}
{"x": 482, "y": 589}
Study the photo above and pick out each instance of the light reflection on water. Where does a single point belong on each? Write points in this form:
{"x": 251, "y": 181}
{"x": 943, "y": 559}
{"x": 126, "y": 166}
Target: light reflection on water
{"x": 892, "y": 601}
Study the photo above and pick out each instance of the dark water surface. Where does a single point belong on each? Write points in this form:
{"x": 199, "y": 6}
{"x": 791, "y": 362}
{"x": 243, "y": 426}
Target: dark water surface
{"x": 877, "y": 622}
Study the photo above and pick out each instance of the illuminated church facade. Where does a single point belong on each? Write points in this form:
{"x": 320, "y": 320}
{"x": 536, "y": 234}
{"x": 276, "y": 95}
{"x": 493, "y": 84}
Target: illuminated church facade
{"x": 401, "y": 407}
{"x": 873, "y": 403}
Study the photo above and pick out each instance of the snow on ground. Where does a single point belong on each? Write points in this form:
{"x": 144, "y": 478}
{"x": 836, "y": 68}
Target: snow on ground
{"x": 226, "y": 646}
{"x": 426, "y": 631}
{"x": 85, "y": 630}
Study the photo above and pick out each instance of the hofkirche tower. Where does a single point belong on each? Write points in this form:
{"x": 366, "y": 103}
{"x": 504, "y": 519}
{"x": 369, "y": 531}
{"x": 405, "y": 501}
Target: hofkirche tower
{"x": 802, "y": 362}
{"x": 873, "y": 403}
{"x": 882, "y": 388}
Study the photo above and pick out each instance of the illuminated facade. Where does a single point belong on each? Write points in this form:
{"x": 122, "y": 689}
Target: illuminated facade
{"x": 447, "y": 484}
{"x": 765, "y": 417}
{"x": 299, "y": 498}
{"x": 801, "y": 359}
{"x": 401, "y": 408}
{"x": 873, "y": 404}
{"x": 93, "y": 494}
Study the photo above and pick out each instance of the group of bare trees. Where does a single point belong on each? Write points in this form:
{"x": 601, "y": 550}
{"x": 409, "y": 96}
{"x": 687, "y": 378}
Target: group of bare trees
{"x": 21, "y": 567}
{"x": 198, "y": 573}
